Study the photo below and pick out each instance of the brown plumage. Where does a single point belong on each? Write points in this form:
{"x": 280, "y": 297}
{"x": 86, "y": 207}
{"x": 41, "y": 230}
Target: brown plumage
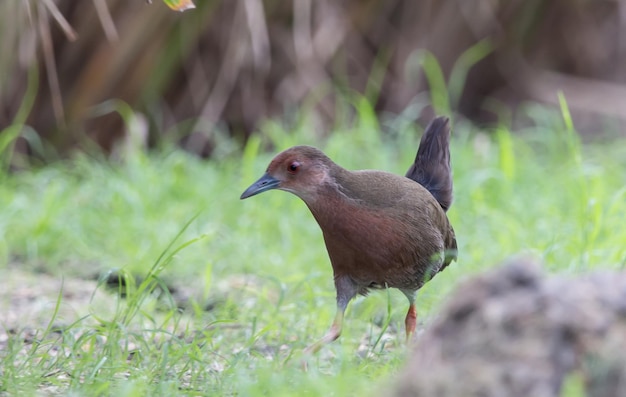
{"x": 380, "y": 229}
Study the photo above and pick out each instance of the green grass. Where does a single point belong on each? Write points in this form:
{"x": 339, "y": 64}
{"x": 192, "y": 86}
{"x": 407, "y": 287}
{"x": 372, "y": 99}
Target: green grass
{"x": 261, "y": 263}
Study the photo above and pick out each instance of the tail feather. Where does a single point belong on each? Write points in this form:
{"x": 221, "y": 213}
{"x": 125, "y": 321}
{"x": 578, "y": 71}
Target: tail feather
{"x": 431, "y": 168}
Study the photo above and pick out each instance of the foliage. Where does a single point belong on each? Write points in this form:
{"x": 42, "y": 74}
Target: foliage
{"x": 180, "y": 5}
{"x": 230, "y": 65}
{"x": 259, "y": 267}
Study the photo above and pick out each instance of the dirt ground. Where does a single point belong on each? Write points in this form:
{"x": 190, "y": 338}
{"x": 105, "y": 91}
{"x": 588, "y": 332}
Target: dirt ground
{"x": 28, "y": 301}
{"x": 517, "y": 331}
{"x": 514, "y": 331}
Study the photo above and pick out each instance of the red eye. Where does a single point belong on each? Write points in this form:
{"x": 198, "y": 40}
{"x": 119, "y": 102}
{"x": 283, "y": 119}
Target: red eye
{"x": 293, "y": 167}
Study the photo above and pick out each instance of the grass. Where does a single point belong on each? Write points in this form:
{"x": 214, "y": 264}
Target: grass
{"x": 260, "y": 265}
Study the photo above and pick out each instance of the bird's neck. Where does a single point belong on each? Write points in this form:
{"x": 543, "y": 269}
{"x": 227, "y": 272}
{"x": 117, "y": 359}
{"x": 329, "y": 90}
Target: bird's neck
{"x": 331, "y": 205}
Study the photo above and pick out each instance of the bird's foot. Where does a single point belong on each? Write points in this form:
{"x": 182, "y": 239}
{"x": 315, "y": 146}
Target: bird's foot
{"x": 333, "y": 333}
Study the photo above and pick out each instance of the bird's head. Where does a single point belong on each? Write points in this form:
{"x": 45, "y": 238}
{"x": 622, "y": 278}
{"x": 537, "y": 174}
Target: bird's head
{"x": 300, "y": 170}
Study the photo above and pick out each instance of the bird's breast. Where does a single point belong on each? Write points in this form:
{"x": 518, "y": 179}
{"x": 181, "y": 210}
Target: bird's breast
{"x": 373, "y": 246}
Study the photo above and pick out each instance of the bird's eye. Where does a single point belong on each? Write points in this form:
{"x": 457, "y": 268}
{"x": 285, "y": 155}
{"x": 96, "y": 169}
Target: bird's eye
{"x": 293, "y": 167}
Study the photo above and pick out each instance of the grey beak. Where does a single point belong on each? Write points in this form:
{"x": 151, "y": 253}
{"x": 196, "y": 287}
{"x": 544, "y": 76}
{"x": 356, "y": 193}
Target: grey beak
{"x": 266, "y": 182}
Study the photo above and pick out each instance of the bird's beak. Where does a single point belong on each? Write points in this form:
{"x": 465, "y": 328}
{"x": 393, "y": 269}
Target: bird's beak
{"x": 266, "y": 182}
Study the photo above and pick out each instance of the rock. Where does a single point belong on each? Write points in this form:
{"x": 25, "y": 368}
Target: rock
{"x": 518, "y": 332}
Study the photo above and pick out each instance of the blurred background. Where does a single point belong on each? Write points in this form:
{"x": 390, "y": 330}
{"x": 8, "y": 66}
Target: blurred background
{"x": 132, "y": 266}
{"x": 114, "y": 73}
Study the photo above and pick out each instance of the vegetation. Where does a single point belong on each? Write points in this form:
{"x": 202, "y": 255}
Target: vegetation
{"x": 235, "y": 64}
{"x": 218, "y": 297}
{"x": 256, "y": 273}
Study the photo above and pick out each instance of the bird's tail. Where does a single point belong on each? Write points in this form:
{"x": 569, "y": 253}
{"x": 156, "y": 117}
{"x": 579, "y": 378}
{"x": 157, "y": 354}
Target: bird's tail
{"x": 431, "y": 168}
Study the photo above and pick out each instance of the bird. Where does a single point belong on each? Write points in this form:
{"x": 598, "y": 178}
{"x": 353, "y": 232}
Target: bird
{"x": 381, "y": 230}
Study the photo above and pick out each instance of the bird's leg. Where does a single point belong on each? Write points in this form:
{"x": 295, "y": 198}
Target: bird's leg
{"x": 411, "y": 316}
{"x": 410, "y": 322}
{"x": 346, "y": 290}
